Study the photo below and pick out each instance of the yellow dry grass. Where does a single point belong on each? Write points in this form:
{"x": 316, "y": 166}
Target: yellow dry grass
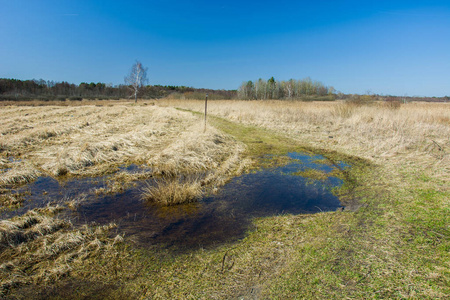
{"x": 72, "y": 140}
{"x": 38, "y": 248}
{"x": 416, "y": 132}
{"x": 170, "y": 191}
{"x": 93, "y": 140}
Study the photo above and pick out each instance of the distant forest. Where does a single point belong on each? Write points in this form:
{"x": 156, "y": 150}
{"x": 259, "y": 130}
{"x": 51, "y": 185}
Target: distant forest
{"x": 16, "y": 90}
{"x": 306, "y": 89}
{"x": 291, "y": 89}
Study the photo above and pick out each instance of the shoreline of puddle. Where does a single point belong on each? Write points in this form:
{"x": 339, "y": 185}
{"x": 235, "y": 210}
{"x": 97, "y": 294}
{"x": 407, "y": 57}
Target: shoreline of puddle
{"x": 215, "y": 219}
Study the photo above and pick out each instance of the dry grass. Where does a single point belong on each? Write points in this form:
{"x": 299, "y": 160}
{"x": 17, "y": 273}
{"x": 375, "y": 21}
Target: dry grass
{"x": 94, "y": 140}
{"x": 19, "y": 174}
{"x": 171, "y": 191}
{"x": 72, "y": 103}
{"x": 376, "y": 131}
{"x": 39, "y": 248}
{"x": 86, "y": 140}
{"x": 28, "y": 227}
{"x": 10, "y": 201}
{"x": 211, "y": 157}
{"x": 195, "y": 151}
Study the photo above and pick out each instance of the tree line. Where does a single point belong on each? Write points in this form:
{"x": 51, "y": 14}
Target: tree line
{"x": 39, "y": 89}
{"x": 291, "y": 89}
{"x": 306, "y": 89}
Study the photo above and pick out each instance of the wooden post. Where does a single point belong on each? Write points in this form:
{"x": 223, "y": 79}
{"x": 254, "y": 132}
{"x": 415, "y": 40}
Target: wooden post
{"x": 206, "y": 110}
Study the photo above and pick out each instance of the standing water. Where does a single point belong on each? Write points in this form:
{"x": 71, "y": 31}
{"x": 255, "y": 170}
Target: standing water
{"x": 225, "y": 216}
{"x": 215, "y": 219}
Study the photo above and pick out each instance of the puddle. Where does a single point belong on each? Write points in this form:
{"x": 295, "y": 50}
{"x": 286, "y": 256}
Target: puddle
{"x": 133, "y": 168}
{"x": 216, "y": 219}
{"x": 13, "y": 160}
{"x": 46, "y": 190}
{"x": 8, "y": 161}
{"x": 223, "y": 217}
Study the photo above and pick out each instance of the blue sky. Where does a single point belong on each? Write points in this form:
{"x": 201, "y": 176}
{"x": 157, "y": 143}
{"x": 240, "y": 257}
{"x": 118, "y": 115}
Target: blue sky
{"x": 385, "y": 47}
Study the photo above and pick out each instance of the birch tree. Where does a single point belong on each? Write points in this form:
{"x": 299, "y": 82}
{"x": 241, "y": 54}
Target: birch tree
{"x": 289, "y": 87}
{"x": 137, "y": 78}
{"x": 261, "y": 90}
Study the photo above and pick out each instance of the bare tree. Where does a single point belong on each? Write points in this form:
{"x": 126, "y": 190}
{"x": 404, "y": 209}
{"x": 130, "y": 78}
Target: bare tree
{"x": 137, "y": 78}
{"x": 289, "y": 87}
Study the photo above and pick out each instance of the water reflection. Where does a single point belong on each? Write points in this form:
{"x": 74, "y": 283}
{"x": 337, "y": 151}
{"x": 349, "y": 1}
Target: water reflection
{"x": 223, "y": 217}
{"x": 46, "y": 190}
{"x": 216, "y": 219}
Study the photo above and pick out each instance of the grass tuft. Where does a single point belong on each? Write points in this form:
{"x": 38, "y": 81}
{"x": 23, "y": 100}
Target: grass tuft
{"x": 170, "y": 191}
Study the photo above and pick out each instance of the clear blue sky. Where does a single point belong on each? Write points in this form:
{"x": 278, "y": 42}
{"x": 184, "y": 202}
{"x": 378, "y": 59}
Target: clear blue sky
{"x": 385, "y": 47}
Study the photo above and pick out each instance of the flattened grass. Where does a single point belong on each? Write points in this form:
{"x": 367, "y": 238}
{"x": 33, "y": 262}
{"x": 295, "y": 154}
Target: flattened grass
{"x": 39, "y": 248}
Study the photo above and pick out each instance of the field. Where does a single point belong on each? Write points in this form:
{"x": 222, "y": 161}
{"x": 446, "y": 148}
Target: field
{"x": 391, "y": 241}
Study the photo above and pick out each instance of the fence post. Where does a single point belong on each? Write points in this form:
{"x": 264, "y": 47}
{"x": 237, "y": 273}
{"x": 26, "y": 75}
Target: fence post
{"x": 206, "y": 110}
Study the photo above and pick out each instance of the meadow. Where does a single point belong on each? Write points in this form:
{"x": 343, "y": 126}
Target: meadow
{"x": 391, "y": 241}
